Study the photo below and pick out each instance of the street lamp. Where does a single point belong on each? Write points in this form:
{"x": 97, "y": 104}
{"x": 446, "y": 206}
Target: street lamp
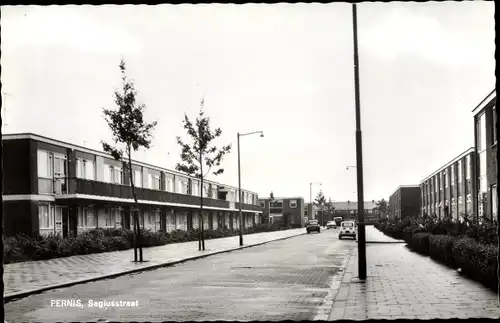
{"x": 347, "y": 167}
{"x": 239, "y": 180}
{"x": 310, "y": 195}
{"x": 359, "y": 154}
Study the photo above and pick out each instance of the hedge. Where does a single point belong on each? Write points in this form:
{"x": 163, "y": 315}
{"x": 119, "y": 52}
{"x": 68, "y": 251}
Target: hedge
{"x": 25, "y": 248}
{"x": 440, "y": 248}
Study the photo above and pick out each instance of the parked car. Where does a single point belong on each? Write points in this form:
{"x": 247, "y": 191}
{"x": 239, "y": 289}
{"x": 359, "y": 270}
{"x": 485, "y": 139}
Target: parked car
{"x": 347, "y": 229}
{"x": 331, "y": 224}
{"x": 313, "y": 225}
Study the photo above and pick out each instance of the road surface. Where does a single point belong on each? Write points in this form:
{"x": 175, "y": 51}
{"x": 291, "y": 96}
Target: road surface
{"x": 293, "y": 279}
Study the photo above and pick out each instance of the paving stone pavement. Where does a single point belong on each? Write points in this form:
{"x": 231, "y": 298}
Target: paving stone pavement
{"x": 403, "y": 284}
{"x": 30, "y": 276}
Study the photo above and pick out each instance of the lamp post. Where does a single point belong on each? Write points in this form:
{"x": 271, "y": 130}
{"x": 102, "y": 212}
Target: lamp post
{"x": 310, "y": 195}
{"x": 359, "y": 154}
{"x": 239, "y": 180}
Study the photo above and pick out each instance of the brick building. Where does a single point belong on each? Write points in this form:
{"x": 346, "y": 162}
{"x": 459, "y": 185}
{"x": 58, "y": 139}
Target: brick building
{"x": 405, "y": 201}
{"x": 288, "y": 211}
{"x": 349, "y": 211}
{"x": 50, "y": 186}
{"x": 450, "y": 189}
{"x": 485, "y": 142}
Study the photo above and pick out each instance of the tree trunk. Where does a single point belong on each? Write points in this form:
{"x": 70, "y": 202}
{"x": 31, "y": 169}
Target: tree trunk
{"x": 135, "y": 215}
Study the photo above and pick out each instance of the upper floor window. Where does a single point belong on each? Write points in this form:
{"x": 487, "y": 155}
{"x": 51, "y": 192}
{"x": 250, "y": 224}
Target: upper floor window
{"x": 467, "y": 167}
{"x": 170, "y": 184}
{"x": 137, "y": 178}
{"x": 446, "y": 178}
{"x": 214, "y": 192}
{"x": 154, "y": 181}
{"x": 45, "y": 164}
{"x": 459, "y": 171}
{"x": 452, "y": 175}
{"x": 494, "y": 125}
{"x": 194, "y": 188}
{"x": 481, "y": 133}
{"x": 262, "y": 204}
{"x": 113, "y": 174}
{"x": 85, "y": 169}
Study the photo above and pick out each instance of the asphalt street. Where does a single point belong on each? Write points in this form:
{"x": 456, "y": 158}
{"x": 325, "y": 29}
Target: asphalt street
{"x": 292, "y": 279}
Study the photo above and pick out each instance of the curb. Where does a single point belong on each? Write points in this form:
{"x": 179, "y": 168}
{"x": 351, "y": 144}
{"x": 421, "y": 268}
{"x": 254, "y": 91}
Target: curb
{"x": 19, "y": 295}
{"x": 338, "y": 307}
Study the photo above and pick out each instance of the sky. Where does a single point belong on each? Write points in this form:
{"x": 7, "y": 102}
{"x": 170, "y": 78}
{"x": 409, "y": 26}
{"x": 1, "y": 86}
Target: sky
{"x": 284, "y": 69}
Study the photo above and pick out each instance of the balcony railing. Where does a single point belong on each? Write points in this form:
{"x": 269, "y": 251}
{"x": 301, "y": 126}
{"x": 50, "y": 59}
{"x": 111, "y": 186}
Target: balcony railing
{"x": 251, "y": 207}
{"x": 95, "y": 188}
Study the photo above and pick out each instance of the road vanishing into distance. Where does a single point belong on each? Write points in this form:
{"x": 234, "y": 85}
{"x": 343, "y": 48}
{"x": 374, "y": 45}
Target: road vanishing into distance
{"x": 291, "y": 279}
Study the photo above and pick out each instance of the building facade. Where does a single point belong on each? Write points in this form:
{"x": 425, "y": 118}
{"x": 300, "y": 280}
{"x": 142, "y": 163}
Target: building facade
{"x": 50, "y": 186}
{"x": 349, "y": 211}
{"x": 287, "y": 211}
{"x": 405, "y": 201}
{"x": 311, "y": 211}
{"x": 485, "y": 148}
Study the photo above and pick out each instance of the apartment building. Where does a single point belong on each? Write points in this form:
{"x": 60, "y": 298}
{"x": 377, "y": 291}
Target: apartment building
{"x": 349, "y": 211}
{"x": 485, "y": 147}
{"x": 450, "y": 189}
{"x": 288, "y": 211}
{"x": 50, "y": 186}
{"x": 404, "y": 201}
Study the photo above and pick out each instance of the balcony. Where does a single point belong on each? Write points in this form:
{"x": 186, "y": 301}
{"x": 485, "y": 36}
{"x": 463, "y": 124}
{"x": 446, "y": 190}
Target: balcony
{"x": 250, "y": 207}
{"x": 95, "y": 188}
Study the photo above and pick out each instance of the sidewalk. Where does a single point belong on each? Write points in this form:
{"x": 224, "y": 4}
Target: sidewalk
{"x": 373, "y": 235}
{"x": 24, "y": 278}
{"x": 403, "y": 284}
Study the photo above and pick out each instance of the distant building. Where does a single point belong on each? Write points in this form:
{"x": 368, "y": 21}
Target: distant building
{"x": 349, "y": 211}
{"x": 450, "y": 189}
{"x": 405, "y": 201}
{"x": 485, "y": 141}
{"x": 288, "y": 211}
{"x": 310, "y": 211}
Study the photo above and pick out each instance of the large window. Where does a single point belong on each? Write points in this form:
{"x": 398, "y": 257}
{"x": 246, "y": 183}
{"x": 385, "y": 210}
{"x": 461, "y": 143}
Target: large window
{"x": 154, "y": 181}
{"x": 452, "y": 175}
{"x": 170, "y": 184}
{"x": 494, "y": 201}
{"x": 481, "y": 133}
{"x": 482, "y": 172}
{"x": 86, "y": 217}
{"x": 45, "y": 216}
{"x": 137, "y": 178}
{"x": 459, "y": 171}
{"x": 45, "y": 164}
{"x": 85, "y": 169}
{"x": 494, "y": 125}
{"x": 467, "y": 167}
{"x": 446, "y": 178}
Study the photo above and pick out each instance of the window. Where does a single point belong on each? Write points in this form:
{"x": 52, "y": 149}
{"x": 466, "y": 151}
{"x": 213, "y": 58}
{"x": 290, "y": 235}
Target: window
{"x": 446, "y": 178}
{"x": 262, "y": 204}
{"x": 45, "y": 164}
{"x": 293, "y": 204}
{"x": 156, "y": 182}
{"x": 110, "y": 217}
{"x": 107, "y": 174}
{"x": 460, "y": 171}
{"x": 494, "y": 125}
{"x": 481, "y": 129}
{"x": 482, "y": 171}
{"x": 137, "y": 178}
{"x": 453, "y": 201}
{"x": 460, "y": 200}
{"x": 214, "y": 192}
{"x": 170, "y": 184}
{"x": 86, "y": 217}
{"x": 494, "y": 201}
{"x": 467, "y": 167}
{"x": 452, "y": 175}
{"x": 85, "y": 169}
{"x": 117, "y": 175}
{"x": 440, "y": 182}
{"x": 45, "y": 217}
{"x": 194, "y": 188}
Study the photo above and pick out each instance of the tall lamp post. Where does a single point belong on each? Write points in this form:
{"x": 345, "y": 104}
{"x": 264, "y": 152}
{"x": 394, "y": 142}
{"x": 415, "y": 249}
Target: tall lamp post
{"x": 310, "y": 195}
{"x": 240, "y": 200}
{"x": 359, "y": 154}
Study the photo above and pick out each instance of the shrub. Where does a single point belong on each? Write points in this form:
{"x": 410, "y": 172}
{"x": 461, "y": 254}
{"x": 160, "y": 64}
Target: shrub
{"x": 441, "y": 248}
{"x": 420, "y": 242}
{"x": 478, "y": 261}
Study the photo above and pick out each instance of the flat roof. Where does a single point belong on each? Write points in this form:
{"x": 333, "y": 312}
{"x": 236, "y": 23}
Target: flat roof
{"x": 404, "y": 186}
{"x": 56, "y": 142}
{"x": 487, "y": 100}
{"x": 454, "y": 160}
{"x": 282, "y": 198}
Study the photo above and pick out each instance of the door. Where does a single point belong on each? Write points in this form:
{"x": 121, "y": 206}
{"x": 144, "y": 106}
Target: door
{"x": 59, "y": 220}
{"x": 59, "y": 174}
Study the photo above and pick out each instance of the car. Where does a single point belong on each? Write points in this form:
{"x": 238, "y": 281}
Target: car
{"x": 313, "y": 225}
{"x": 331, "y": 224}
{"x": 347, "y": 229}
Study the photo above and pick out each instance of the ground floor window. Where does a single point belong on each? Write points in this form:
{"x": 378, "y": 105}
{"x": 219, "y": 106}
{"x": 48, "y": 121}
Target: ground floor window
{"x": 494, "y": 202}
{"x": 45, "y": 216}
{"x": 87, "y": 217}
{"x": 181, "y": 221}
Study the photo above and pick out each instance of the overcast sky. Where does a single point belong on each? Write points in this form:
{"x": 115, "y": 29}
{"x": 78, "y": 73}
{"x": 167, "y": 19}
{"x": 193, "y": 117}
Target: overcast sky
{"x": 284, "y": 69}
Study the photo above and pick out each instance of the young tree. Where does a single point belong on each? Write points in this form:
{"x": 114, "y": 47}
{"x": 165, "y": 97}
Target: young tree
{"x": 130, "y": 132}
{"x": 201, "y": 153}
{"x": 329, "y": 208}
{"x": 381, "y": 206}
{"x": 320, "y": 202}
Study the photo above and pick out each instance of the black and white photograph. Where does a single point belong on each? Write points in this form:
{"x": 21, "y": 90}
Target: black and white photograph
{"x": 249, "y": 162}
